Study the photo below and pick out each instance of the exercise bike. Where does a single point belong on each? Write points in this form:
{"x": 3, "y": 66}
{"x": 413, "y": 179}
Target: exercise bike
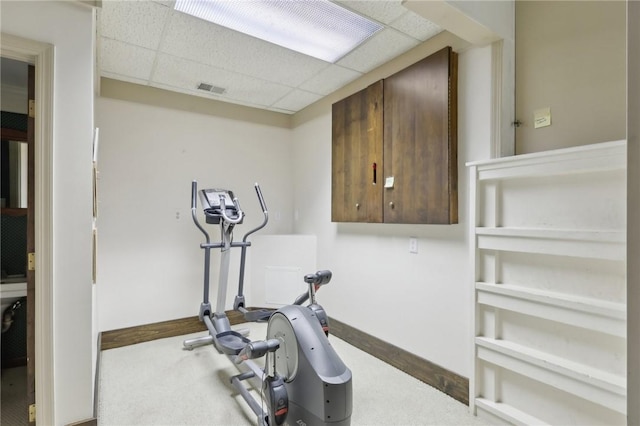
{"x": 304, "y": 382}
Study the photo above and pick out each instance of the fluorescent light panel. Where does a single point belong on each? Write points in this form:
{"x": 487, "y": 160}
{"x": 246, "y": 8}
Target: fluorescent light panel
{"x": 317, "y": 28}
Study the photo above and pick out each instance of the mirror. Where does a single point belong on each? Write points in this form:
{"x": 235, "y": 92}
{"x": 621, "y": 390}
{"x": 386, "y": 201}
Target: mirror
{"x": 14, "y": 169}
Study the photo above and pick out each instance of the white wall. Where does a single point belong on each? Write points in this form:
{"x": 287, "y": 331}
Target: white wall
{"x": 69, "y": 28}
{"x": 150, "y": 265}
{"x": 419, "y": 302}
{"x": 633, "y": 212}
{"x": 571, "y": 58}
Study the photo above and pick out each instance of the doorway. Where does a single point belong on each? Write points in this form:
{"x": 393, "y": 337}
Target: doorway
{"x": 41, "y": 56}
{"x": 18, "y": 242}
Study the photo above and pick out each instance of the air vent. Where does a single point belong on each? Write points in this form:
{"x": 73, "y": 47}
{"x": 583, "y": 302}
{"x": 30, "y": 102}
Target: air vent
{"x": 211, "y": 88}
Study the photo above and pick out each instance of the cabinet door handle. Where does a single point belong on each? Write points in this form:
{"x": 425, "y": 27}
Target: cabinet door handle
{"x": 391, "y": 204}
{"x": 375, "y": 166}
{"x": 357, "y": 205}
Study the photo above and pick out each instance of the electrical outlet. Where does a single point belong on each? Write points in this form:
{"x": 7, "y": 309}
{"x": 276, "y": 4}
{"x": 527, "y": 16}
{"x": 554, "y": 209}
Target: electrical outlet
{"x": 181, "y": 213}
{"x": 413, "y": 245}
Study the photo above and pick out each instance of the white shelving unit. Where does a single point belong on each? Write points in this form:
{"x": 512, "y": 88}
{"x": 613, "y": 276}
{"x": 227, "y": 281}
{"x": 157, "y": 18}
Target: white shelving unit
{"x": 549, "y": 286}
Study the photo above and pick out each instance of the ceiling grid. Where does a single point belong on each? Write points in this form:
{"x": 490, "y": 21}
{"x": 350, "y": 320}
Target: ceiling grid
{"x": 150, "y": 43}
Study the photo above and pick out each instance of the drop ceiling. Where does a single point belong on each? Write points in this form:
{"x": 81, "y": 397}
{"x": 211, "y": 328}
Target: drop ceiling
{"x": 149, "y": 43}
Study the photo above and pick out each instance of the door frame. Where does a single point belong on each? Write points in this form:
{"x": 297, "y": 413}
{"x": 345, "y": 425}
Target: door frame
{"x": 42, "y": 56}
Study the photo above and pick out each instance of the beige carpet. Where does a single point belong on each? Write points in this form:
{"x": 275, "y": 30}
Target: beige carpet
{"x": 160, "y": 383}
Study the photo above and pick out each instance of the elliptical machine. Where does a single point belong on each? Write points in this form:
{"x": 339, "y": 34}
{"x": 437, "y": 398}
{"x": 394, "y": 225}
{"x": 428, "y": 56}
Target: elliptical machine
{"x": 304, "y": 381}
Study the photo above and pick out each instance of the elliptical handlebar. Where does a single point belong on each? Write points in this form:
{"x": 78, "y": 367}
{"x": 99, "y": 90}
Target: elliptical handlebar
{"x": 263, "y": 205}
{"x": 239, "y": 299}
{"x": 194, "y": 193}
{"x": 223, "y": 211}
{"x": 315, "y": 281}
{"x": 194, "y": 207}
{"x": 260, "y": 198}
{"x": 319, "y": 278}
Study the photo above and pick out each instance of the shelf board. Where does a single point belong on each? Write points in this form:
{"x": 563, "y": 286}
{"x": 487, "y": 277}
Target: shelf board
{"x": 592, "y": 384}
{"x": 603, "y": 316}
{"x": 595, "y": 244}
{"x": 508, "y": 412}
{"x": 584, "y": 159}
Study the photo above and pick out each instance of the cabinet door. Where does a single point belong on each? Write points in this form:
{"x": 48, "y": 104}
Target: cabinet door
{"x": 357, "y": 130}
{"x": 420, "y": 142}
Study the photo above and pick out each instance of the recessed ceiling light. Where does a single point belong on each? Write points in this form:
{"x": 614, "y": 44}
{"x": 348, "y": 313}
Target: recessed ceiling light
{"x": 317, "y": 28}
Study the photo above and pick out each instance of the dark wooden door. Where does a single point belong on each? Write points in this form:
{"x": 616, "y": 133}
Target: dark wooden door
{"x": 357, "y": 157}
{"x": 420, "y": 142}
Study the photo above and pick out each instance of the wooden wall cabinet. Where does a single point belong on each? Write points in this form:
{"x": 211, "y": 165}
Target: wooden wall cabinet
{"x": 394, "y": 156}
{"x": 357, "y": 157}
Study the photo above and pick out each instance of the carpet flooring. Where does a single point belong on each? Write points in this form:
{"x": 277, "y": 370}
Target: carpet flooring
{"x": 160, "y": 383}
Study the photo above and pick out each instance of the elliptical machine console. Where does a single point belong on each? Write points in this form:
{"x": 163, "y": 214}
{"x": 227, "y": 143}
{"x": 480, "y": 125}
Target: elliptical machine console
{"x": 214, "y": 201}
{"x": 304, "y": 381}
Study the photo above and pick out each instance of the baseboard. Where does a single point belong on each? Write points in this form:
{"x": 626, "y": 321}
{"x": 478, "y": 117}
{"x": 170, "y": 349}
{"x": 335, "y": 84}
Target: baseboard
{"x": 452, "y": 384}
{"x": 159, "y": 330}
{"x": 87, "y": 422}
{"x": 438, "y": 377}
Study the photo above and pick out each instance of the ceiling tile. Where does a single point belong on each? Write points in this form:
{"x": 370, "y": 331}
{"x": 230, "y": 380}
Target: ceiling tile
{"x": 125, "y": 59}
{"x": 192, "y": 38}
{"x": 415, "y": 26}
{"x": 382, "y": 11}
{"x": 296, "y": 100}
{"x": 381, "y": 48}
{"x": 136, "y": 22}
{"x": 187, "y": 74}
{"x": 329, "y": 80}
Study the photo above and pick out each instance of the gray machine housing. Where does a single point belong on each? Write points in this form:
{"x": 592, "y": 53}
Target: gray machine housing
{"x": 320, "y": 391}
